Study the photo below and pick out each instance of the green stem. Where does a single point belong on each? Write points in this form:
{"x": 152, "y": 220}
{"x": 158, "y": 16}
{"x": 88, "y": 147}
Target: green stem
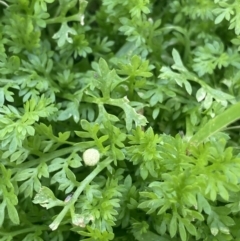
{"x": 189, "y": 129}
{"x": 61, "y": 19}
{"x": 232, "y": 128}
{"x": 50, "y": 156}
{"x": 131, "y": 88}
{"x": 45, "y": 158}
{"x": 187, "y": 43}
{"x": 21, "y": 231}
{"x": 4, "y": 3}
{"x": 54, "y": 225}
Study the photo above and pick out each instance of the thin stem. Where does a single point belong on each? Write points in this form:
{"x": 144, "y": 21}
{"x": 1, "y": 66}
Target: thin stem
{"x": 232, "y": 128}
{"x": 49, "y": 156}
{"x": 54, "y": 225}
{"x": 26, "y": 230}
{"x": 4, "y": 3}
{"x": 45, "y": 158}
{"x": 61, "y": 19}
{"x": 131, "y": 88}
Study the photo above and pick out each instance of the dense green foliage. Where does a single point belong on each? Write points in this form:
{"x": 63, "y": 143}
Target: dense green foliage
{"x": 153, "y": 87}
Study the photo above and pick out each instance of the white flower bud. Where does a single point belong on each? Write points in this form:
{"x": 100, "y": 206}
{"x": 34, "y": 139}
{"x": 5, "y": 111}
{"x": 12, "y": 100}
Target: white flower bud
{"x": 91, "y": 157}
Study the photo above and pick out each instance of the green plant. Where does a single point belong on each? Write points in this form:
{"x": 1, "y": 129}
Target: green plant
{"x": 119, "y": 120}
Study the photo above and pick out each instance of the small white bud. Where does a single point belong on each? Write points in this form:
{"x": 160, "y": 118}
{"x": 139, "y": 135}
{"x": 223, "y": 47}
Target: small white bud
{"x": 150, "y": 20}
{"x": 82, "y": 20}
{"x": 91, "y": 157}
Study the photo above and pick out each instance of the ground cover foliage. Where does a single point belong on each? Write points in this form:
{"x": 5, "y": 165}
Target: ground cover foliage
{"x": 153, "y": 86}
